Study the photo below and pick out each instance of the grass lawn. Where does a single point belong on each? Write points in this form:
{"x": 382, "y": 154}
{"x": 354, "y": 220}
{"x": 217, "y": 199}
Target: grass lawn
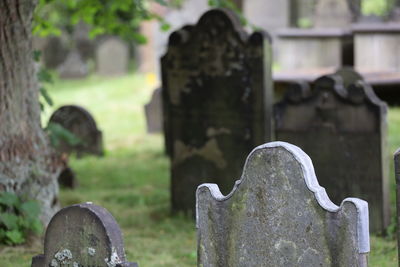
{"x": 132, "y": 179}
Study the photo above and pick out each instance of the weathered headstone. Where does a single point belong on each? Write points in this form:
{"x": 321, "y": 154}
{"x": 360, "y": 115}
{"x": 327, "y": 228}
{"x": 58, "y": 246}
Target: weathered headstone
{"x": 397, "y": 174}
{"x": 153, "y": 111}
{"x": 344, "y": 131}
{"x": 278, "y": 215}
{"x": 81, "y": 124}
{"x": 83, "y": 235}
{"x": 54, "y": 52}
{"x": 73, "y": 67}
{"x": 67, "y": 178}
{"x": 216, "y": 90}
{"x": 336, "y": 13}
{"x": 112, "y": 57}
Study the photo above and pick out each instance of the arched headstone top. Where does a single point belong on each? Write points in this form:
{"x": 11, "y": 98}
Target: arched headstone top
{"x": 346, "y": 84}
{"x": 216, "y": 24}
{"x": 279, "y": 202}
{"x": 82, "y": 125}
{"x": 63, "y": 114}
{"x": 83, "y": 235}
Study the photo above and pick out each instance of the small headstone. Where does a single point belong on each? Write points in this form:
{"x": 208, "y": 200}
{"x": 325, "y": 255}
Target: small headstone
{"x": 216, "y": 102}
{"x": 153, "y": 111}
{"x": 343, "y": 129}
{"x": 67, "y": 178}
{"x": 73, "y": 67}
{"x": 81, "y": 124}
{"x": 112, "y": 57}
{"x": 335, "y": 13}
{"x": 278, "y": 215}
{"x": 54, "y": 52}
{"x": 83, "y": 235}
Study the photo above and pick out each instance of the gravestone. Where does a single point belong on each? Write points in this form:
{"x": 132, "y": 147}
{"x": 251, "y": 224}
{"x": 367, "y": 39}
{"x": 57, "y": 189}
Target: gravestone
{"x": 397, "y": 174}
{"x": 278, "y": 215}
{"x": 81, "y": 124}
{"x": 344, "y": 132}
{"x": 112, "y": 57}
{"x": 54, "y": 52}
{"x": 67, "y": 178}
{"x": 73, "y": 67}
{"x": 216, "y": 91}
{"x": 336, "y": 13}
{"x": 83, "y": 235}
{"x": 153, "y": 111}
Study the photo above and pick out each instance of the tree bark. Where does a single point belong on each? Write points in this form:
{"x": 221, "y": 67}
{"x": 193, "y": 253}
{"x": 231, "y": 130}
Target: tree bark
{"x": 28, "y": 165}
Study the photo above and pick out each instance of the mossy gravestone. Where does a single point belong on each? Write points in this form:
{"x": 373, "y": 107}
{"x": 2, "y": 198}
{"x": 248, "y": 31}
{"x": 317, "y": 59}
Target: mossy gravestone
{"x": 343, "y": 130}
{"x": 278, "y": 215}
{"x": 86, "y": 139}
{"x": 216, "y": 91}
{"x": 83, "y": 235}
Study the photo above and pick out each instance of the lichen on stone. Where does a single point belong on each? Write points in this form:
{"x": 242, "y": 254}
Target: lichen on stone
{"x": 91, "y": 251}
{"x": 61, "y": 257}
{"x": 114, "y": 259}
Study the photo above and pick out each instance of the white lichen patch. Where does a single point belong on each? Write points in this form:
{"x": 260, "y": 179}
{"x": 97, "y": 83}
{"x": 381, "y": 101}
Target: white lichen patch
{"x": 63, "y": 256}
{"x": 75, "y": 264}
{"x": 114, "y": 259}
{"x": 54, "y": 263}
{"x": 91, "y": 251}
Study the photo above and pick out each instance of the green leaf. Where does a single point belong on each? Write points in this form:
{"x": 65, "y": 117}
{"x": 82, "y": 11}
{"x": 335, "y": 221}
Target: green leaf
{"x": 139, "y": 38}
{"x": 30, "y": 209}
{"x": 58, "y": 132}
{"x": 36, "y": 55}
{"x": 46, "y": 96}
{"x": 9, "y": 199}
{"x": 15, "y": 237}
{"x": 9, "y": 220}
{"x": 44, "y": 76}
{"x": 165, "y": 26}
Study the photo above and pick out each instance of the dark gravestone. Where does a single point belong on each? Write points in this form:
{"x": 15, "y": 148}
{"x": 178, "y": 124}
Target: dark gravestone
{"x": 397, "y": 175}
{"x": 216, "y": 90}
{"x": 278, "y": 215}
{"x": 344, "y": 132}
{"x": 83, "y": 235}
{"x": 153, "y": 111}
{"x": 67, "y": 178}
{"x": 54, "y": 52}
{"x": 81, "y": 124}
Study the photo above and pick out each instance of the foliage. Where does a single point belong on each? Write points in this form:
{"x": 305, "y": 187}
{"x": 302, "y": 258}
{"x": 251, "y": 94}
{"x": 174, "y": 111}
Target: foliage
{"x": 57, "y": 133}
{"x": 122, "y": 17}
{"x": 44, "y": 78}
{"x": 376, "y": 7}
{"x": 18, "y": 219}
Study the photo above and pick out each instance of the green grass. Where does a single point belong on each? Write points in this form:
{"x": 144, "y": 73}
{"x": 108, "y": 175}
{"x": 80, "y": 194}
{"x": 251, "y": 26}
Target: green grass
{"x": 132, "y": 179}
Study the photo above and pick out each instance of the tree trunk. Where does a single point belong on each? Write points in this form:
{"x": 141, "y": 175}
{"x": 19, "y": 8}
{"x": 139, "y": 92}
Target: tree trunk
{"x": 28, "y": 166}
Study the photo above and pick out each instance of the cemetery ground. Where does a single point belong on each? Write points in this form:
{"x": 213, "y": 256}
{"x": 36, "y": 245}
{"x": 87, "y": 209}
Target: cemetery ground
{"x": 132, "y": 179}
